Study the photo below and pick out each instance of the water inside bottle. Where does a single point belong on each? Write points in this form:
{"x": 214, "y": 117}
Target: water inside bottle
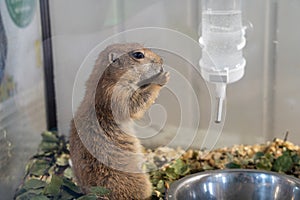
{"x": 222, "y": 33}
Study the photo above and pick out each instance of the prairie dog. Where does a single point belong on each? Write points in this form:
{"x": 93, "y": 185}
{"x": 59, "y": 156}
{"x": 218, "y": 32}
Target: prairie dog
{"x": 125, "y": 82}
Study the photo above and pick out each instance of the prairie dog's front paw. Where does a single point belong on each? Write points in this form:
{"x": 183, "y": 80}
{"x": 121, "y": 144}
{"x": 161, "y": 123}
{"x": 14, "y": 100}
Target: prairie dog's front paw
{"x": 162, "y": 78}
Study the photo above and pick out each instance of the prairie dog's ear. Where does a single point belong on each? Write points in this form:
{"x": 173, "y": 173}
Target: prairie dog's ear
{"x": 112, "y": 57}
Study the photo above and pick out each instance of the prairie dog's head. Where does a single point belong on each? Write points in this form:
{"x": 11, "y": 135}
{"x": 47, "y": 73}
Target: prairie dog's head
{"x": 120, "y": 71}
{"x": 134, "y": 65}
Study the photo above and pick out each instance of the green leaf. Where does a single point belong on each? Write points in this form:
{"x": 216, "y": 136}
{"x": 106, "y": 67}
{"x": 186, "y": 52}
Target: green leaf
{"x": 51, "y": 171}
{"x": 67, "y": 196}
{"x": 283, "y": 163}
{"x": 36, "y": 191}
{"x": 99, "y": 191}
{"x": 31, "y": 195}
{"x": 161, "y": 186}
{"x": 170, "y": 172}
{"x": 39, "y": 167}
{"x": 156, "y": 176}
{"x": 40, "y": 197}
{"x": 29, "y": 166}
{"x": 180, "y": 167}
{"x": 296, "y": 159}
{"x": 34, "y": 184}
{"x": 54, "y": 186}
{"x": 232, "y": 165}
{"x": 264, "y": 166}
{"x": 48, "y": 146}
{"x": 71, "y": 186}
{"x": 50, "y": 136}
{"x": 88, "y": 197}
{"x": 62, "y": 160}
{"x": 264, "y": 162}
{"x": 270, "y": 157}
{"x": 69, "y": 173}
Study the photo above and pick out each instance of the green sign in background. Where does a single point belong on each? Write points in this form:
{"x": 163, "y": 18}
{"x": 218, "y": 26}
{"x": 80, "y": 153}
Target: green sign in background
{"x": 21, "y": 11}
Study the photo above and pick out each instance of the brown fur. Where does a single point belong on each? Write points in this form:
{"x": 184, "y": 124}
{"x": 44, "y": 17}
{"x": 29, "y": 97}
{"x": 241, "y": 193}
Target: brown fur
{"x": 104, "y": 151}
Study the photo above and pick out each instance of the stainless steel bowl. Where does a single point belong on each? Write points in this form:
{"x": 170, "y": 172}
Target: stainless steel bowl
{"x": 237, "y": 184}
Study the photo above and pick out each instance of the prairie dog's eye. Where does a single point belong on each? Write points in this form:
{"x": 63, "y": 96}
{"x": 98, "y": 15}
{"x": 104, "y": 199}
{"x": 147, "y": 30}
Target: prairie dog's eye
{"x": 138, "y": 55}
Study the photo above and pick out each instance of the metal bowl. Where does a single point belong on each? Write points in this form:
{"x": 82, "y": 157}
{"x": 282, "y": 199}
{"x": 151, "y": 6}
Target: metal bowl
{"x": 237, "y": 184}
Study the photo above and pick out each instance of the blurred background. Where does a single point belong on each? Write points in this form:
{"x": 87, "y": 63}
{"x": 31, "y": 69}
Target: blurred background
{"x": 261, "y": 106}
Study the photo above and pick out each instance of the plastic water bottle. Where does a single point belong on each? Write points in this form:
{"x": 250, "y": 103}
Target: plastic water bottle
{"x": 222, "y": 39}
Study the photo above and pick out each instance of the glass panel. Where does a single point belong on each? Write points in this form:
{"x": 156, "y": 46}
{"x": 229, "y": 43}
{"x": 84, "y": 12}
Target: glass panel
{"x": 260, "y": 106}
{"x": 22, "y": 107}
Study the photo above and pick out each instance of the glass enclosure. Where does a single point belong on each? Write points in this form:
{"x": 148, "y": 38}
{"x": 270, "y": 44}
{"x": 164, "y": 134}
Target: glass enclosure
{"x": 260, "y": 106}
{"x": 22, "y": 100}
